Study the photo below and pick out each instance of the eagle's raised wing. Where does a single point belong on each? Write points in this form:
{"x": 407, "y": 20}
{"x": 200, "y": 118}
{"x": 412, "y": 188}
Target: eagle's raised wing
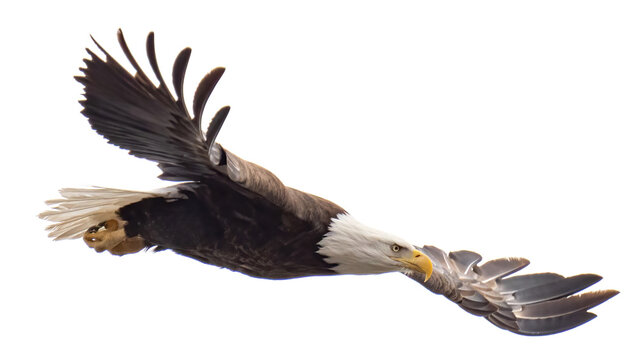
{"x": 135, "y": 114}
{"x": 533, "y": 304}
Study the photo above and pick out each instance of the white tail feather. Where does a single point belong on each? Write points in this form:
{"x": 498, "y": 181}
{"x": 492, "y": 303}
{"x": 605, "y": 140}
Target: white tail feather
{"x": 79, "y": 209}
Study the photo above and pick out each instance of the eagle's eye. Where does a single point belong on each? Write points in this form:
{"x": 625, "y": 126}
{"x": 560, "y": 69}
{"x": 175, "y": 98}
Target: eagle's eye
{"x": 395, "y": 247}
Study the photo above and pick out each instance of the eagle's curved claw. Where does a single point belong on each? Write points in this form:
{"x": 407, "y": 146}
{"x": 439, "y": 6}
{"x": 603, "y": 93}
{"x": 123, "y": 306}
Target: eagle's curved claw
{"x": 109, "y": 235}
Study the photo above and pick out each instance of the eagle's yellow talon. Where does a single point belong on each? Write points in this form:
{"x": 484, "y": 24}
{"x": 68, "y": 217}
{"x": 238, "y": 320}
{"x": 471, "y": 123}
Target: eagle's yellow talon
{"x": 109, "y": 235}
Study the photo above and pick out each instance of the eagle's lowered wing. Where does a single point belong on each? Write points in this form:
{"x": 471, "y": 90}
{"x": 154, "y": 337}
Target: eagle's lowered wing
{"x": 533, "y": 304}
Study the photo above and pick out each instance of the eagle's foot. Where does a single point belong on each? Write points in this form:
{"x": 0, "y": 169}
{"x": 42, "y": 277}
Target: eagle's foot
{"x": 109, "y": 235}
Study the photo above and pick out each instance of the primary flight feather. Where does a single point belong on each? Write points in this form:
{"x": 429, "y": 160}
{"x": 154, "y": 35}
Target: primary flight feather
{"x": 231, "y": 213}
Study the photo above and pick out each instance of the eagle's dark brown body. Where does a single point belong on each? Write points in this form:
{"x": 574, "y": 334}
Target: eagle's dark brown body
{"x": 209, "y": 223}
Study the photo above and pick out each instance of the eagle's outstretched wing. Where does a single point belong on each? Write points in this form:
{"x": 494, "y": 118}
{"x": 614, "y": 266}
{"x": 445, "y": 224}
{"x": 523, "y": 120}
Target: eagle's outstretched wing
{"x": 135, "y": 114}
{"x": 533, "y": 304}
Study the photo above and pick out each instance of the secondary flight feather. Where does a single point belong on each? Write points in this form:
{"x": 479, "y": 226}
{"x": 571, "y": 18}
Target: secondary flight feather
{"x": 229, "y": 212}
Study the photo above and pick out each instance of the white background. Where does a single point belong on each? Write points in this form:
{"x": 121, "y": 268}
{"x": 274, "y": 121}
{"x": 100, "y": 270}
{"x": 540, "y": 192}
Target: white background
{"x": 504, "y": 127}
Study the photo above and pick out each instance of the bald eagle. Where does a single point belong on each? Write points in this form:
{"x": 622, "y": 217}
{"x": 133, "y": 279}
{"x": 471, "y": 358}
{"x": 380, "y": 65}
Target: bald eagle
{"x": 231, "y": 213}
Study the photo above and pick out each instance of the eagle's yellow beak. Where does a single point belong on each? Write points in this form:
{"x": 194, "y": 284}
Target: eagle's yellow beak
{"x": 418, "y": 262}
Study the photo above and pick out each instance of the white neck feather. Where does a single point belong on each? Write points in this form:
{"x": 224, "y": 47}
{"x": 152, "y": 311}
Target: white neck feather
{"x": 355, "y": 248}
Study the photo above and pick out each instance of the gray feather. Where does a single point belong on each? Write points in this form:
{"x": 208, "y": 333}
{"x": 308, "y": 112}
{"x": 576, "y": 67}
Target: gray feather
{"x": 565, "y": 306}
{"x": 503, "y": 322}
{"x": 465, "y": 260}
{"x": 515, "y": 283}
{"x": 553, "y": 290}
{"x": 495, "y": 269}
{"x": 435, "y": 254}
{"x": 478, "y": 308}
{"x": 553, "y": 325}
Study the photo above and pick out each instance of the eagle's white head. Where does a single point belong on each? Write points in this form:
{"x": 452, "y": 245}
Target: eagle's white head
{"x": 355, "y": 248}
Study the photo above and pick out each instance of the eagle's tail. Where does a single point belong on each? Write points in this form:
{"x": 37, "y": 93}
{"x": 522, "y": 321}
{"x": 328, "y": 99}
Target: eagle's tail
{"x": 80, "y": 209}
{"x": 533, "y": 304}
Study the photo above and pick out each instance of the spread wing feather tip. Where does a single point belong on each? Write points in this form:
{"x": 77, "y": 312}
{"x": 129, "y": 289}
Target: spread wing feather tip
{"x": 135, "y": 114}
